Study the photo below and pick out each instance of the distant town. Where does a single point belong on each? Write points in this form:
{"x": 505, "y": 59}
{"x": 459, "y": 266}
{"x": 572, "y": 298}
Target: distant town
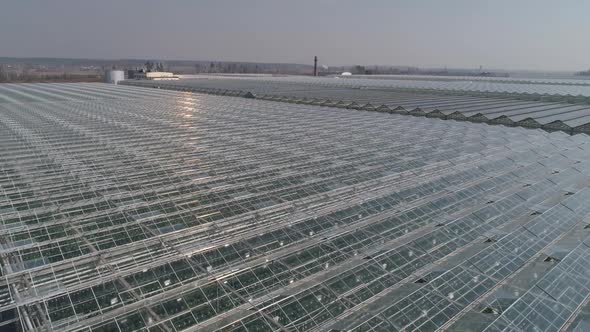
{"x": 93, "y": 70}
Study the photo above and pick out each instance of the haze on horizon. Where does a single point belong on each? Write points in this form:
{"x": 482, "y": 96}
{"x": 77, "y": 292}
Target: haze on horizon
{"x": 524, "y": 34}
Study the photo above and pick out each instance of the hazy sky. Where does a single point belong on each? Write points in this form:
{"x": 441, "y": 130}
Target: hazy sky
{"x": 511, "y": 34}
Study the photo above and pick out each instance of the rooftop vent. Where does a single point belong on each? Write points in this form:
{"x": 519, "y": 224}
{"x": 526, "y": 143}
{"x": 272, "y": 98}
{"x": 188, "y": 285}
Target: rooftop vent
{"x": 490, "y": 310}
{"x": 550, "y": 259}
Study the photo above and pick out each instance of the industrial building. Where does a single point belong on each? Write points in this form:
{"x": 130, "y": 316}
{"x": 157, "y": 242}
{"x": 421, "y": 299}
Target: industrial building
{"x": 155, "y": 76}
{"x": 127, "y": 208}
{"x": 114, "y": 76}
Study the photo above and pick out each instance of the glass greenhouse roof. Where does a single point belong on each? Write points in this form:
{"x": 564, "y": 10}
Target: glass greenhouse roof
{"x": 132, "y": 209}
{"x": 531, "y": 104}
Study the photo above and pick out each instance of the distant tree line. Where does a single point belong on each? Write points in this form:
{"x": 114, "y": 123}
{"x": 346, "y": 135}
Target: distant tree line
{"x": 374, "y": 70}
{"x": 229, "y": 67}
{"x": 391, "y": 70}
{"x": 17, "y": 75}
{"x": 152, "y": 66}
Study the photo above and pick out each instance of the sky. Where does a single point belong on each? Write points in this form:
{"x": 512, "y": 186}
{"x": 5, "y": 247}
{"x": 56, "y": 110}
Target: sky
{"x": 496, "y": 34}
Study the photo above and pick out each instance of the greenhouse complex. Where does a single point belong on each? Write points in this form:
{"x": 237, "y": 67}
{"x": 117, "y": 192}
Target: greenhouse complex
{"x": 287, "y": 204}
{"x": 551, "y": 105}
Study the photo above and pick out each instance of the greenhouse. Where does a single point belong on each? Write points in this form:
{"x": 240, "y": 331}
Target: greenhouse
{"x": 124, "y": 208}
{"x": 555, "y": 105}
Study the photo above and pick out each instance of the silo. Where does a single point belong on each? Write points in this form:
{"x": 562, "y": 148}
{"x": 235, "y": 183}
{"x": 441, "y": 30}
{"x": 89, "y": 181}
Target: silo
{"x": 114, "y": 76}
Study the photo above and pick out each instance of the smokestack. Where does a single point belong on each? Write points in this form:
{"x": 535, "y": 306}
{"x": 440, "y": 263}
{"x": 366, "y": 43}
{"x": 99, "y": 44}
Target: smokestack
{"x": 315, "y": 66}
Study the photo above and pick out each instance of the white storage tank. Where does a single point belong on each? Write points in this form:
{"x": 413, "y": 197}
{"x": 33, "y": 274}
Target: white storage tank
{"x": 114, "y": 76}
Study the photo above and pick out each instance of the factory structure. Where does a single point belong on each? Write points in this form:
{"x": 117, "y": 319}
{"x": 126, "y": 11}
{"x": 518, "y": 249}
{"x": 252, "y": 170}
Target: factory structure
{"x": 260, "y": 203}
{"x": 114, "y": 76}
{"x": 153, "y": 72}
{"x": 155, "y": 76}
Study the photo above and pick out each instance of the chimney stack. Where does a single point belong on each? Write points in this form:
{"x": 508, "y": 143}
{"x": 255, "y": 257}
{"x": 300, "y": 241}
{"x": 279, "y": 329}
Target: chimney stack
{"x": 315, "y": 66}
